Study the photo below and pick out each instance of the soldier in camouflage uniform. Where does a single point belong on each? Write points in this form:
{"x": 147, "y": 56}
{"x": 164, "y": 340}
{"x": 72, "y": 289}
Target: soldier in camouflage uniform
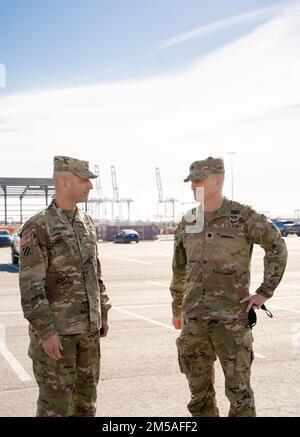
{"x": 210, "y": 290}
{"x": 63, "y": 296}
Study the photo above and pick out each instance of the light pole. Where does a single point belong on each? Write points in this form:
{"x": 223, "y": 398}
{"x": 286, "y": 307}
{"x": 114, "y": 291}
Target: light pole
{"x": 231, "y": 159}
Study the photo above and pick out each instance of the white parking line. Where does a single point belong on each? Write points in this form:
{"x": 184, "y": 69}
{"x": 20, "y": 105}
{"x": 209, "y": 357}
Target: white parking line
{"x": 11, "y": 360}
{"x": 292, "y": 310}
{"x": 127, "y": 259}
{"x": 295, "y": 274}
{"x": 150, "y": 305}
{"x": 5, "y": 313}
{"x": 10, "y": 289}
{"x": 297, "y": 287}
{"x": 127, "y": 284}
{"x": 17, "y": 390}
{"x": 14, "y": 364}
{"x": 160, "y": 284}
{"x": 286, "y": 297}
{"x": 257, "y": 281}
{"x": 137, "y": 316}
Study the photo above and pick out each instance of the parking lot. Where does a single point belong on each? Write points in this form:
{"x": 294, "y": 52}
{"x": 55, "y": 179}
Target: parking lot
{"x": 139, "y": 370}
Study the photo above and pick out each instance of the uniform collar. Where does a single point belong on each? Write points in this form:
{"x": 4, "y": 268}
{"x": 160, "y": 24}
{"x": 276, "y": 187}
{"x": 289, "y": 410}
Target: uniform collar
{"x": 61, "y": 214}
{"x": 78, "y": 215}
{"x": 225, "y": 208}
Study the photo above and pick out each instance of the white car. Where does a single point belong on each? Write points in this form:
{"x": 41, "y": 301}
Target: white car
{"x": 15, "y": 247}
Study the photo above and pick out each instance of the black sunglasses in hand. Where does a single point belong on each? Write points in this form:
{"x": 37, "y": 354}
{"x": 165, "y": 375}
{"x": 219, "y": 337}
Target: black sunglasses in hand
{"x": 252, "y": 315}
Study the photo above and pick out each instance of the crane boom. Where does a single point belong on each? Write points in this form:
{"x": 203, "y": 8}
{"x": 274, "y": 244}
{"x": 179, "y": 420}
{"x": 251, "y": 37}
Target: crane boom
{"x": 98, "y": 182}
{"x": 159, "y": 185}
{"x": 114, "y": 183}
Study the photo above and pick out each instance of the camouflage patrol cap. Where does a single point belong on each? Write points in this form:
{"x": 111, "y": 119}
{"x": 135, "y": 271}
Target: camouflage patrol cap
{"x": 75, "y": 166}
{"x": 199, "y": 170}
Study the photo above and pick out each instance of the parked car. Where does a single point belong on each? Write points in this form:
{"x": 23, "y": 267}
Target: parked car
{"x": 291, "y": 229}
{"x": 146, "y": 231}
{"x": 15, "y": 247}
{"x": 282, "y": 223}
{"x": 4, "y": 237}
{"x": 126, "y": 236}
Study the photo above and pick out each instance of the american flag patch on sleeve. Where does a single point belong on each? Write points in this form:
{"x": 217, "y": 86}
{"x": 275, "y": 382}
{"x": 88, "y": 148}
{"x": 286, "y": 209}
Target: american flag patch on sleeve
{"x": 25, "y": 239}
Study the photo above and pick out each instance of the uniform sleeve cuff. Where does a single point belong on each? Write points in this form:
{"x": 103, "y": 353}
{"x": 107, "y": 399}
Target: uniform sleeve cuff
{"x": 46, "y": 333}
{"x": 176, "y": 312}
{"x": 104, "y": 316}
{"x": 265, "y": 292}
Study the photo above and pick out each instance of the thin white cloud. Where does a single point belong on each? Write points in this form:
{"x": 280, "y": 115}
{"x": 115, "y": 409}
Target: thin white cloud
{"x": 224, "y": 24}
{"x": 228, "y": 101}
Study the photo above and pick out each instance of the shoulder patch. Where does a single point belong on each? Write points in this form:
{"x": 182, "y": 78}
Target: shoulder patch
{"x": 29, "y": 253}
{"x": 26, "y": 251}
{"x": 25, "y": 239}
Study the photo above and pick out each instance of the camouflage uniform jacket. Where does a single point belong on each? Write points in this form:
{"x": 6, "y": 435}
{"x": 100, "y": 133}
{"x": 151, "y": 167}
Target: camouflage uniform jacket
{"x": 60, "y": 274}
{"x": 211, "y": 268}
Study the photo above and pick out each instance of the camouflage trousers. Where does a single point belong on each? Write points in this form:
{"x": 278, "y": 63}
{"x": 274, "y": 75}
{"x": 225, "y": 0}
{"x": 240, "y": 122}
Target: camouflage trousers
{"x": 67, "y": 387}
{"x": 199, "y": 344}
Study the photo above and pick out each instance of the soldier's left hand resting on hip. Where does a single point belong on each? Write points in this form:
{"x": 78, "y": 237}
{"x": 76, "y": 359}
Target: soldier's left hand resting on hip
{"x": 256, "y": 300}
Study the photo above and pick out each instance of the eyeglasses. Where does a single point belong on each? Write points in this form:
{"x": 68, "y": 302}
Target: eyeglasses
{"x": 252, "y": 315}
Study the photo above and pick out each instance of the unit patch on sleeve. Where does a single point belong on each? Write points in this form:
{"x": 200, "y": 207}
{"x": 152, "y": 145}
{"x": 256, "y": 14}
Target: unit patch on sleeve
{"x": 236, "y": 220}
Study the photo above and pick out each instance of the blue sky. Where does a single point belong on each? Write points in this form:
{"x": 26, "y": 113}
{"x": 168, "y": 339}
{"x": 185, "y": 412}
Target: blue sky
{"x": 141, "y": 84}
{"x": 58, "y": 43}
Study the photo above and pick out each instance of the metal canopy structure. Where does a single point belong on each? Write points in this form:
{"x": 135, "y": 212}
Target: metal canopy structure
{"x": 25, "y": 187}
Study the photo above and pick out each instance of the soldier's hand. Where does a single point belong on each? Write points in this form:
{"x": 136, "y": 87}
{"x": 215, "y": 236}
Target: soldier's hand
{"x": 177, "y": 322}
{"x": 104, "y": 329}
{"x": 52, "y": 346}
{"x": 256, "y": 300}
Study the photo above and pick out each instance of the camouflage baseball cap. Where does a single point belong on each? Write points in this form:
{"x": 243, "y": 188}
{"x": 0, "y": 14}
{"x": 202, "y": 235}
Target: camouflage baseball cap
{"x": 199, "y": 170}
{"x": 75, "y": 166}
